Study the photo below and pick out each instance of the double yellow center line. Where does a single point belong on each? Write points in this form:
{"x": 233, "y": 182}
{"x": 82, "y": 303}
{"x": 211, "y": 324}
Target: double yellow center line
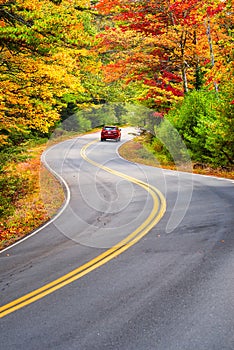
{"x": 158, "y": 210}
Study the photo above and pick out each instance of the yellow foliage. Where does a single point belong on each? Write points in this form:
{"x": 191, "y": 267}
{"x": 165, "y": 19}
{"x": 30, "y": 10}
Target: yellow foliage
{"x": 32, "y": 84}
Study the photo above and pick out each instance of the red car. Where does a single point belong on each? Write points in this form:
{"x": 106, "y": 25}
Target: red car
{"x": 110, "y": 132}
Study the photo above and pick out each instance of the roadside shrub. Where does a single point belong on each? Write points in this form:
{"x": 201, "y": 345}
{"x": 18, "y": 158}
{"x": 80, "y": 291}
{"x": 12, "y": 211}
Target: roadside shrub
{"x": 204, "y": 121}
{"x": 12, "y": 188}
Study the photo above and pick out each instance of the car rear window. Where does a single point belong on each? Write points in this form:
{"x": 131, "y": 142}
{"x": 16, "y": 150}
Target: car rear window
{"x": 109, "y": 128}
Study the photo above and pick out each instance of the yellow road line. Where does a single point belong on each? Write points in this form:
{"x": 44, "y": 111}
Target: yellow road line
{"x": 158, "y": 210}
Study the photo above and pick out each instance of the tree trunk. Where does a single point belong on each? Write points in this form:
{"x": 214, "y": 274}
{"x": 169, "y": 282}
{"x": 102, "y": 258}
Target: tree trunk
{"x": 184, "y": 77}
{"x": 208, "y": 32}
{"x": 184, "y": 63}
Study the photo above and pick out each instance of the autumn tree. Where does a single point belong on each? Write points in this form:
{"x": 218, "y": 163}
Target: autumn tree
{"x": 45, "y": 54}
{"x": 164, "y": 47}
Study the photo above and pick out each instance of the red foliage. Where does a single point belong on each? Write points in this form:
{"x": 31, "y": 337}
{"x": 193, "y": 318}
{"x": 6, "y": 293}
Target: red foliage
{"x": 211, "y": 11}
{"x": 176, "y": 43}
{"x": 171, "y": 77}
{"x": 176, "y": 92}
{"x": 158, "y": 115}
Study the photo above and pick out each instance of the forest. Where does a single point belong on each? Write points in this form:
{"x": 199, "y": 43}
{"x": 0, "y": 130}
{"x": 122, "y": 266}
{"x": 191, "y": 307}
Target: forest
{"x": 92, "y": 60}
{"x": 74, "y": 65}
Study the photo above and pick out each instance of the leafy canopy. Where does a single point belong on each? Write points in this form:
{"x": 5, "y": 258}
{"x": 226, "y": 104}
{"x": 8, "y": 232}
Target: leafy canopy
{"x": 45, "y": 54}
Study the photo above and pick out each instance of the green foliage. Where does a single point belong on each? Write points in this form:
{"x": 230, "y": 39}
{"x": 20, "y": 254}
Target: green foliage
{"x": 76, "y": 122}
{"x": 204, "y": 121}
{"x": 185, "y": 118}
{"x": 109, "y": 113}
{"x": 169, "y": 143}
{"x": 141, "y": 116}
{"x": 199, "y": 78}
{"x": 15, "y": 150}
{"x": 12, "y": 188}
{"x": 81, "y": 120}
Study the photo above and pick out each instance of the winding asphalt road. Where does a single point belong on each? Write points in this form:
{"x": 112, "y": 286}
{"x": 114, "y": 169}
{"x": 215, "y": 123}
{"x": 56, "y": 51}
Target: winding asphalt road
{"x": 138, "y": 258}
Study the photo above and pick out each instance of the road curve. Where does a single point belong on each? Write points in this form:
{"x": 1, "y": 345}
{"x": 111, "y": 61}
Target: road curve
{"x": 113, "y": 270}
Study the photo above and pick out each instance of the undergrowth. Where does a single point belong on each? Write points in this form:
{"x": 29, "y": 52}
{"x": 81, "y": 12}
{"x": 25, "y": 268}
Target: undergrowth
{"x": 22, "y": 207}
{"x": 140, "y": 150}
